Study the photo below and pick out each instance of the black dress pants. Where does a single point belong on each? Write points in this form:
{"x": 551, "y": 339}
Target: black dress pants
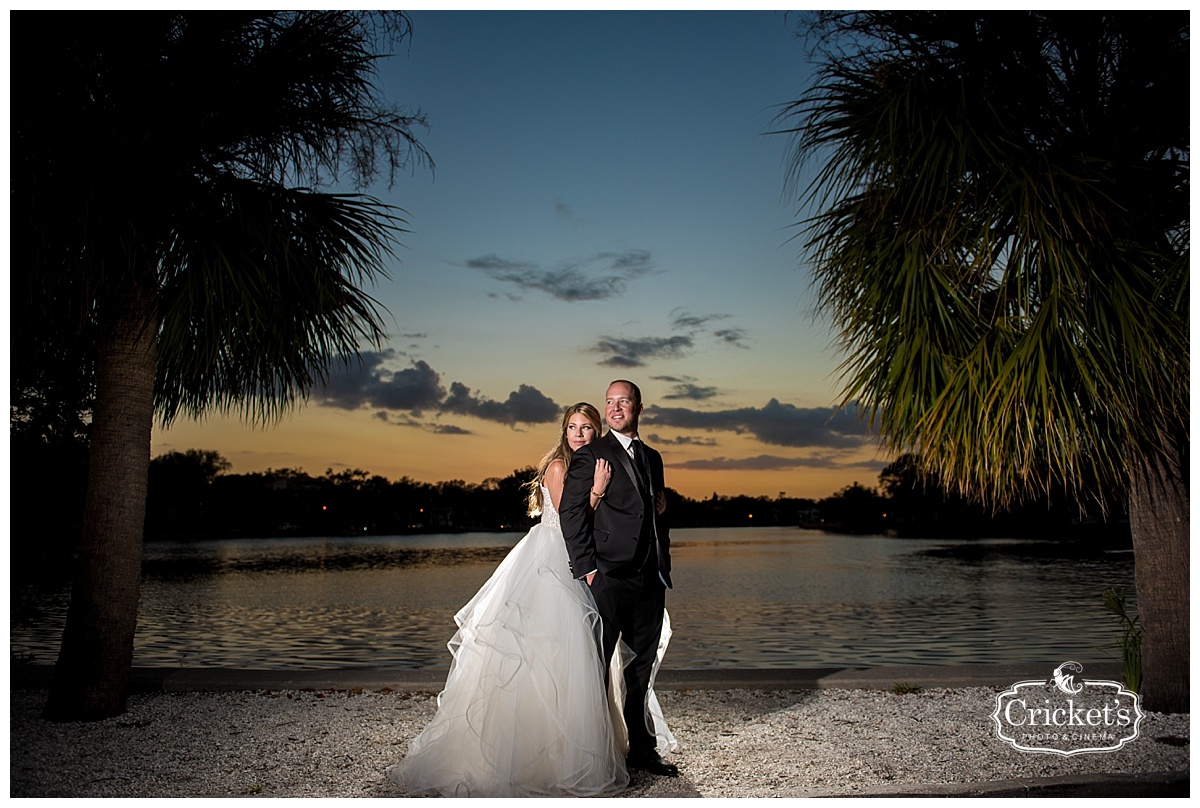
{"x": 632, "y": 609}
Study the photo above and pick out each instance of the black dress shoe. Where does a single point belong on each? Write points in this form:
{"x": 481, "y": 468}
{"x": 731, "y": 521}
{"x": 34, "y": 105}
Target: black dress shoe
{"x": 652, "y": 763}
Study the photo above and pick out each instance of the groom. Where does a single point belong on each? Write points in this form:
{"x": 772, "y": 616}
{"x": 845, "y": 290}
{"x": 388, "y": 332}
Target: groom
{"x": 623, "y": 552}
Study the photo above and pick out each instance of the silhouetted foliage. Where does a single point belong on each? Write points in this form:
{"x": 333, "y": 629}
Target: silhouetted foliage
{"x": 166, "y": 210}
{"x": 289, "y": 502}
{"x": 854, "y": 509}
{"x": 919, "y": 504}
{"x": 50, "y": 389}
{"x": 46, "y": 492}
{"x": 179, "y": 493}
{"x": 191, "y": 496}
{"x": 996, "y": 218}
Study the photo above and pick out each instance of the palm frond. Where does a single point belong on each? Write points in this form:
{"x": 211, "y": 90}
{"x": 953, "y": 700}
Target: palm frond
{"x": 261, "y": 290}
{"x": 1001, "y": 265}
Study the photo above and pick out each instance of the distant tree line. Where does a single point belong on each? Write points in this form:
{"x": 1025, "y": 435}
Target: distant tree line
{"x": 193, "y": 495}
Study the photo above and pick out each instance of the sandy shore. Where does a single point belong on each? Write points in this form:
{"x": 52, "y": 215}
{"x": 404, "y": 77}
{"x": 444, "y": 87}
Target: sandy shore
{"x": 734, "y": 743}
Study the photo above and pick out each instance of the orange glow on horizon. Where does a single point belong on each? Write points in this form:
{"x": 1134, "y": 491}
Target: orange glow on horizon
{"x": 326, "y": 439}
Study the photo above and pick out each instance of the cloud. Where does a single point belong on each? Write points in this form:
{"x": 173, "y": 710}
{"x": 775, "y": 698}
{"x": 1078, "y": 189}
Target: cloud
{"x": 406, "y": 420}
{"x": 685, "y": 389}
{"x": 495, "y": 264}
{"x": 526, "y": 405}
{"x": 682, "y": 440}
{"x": 449, "y": 429}
{"x": 601, "y": 277}
{"x": 403, "y": 397}
{"x": 776, "y": 423}
{"x": 692, "y": 392}
{"x": 632, "y": 262}
{"x": 684, "y": 320}
{"x": 732, "y": 336}
{"x": 565, "y": 214}
{"x": 354, "y": 384}
{"x": 774, "y": 463}
{"x": 633, "y": 353}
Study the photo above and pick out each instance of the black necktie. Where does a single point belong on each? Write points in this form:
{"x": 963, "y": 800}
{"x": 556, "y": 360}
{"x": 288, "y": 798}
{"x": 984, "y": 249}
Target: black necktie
{"x": 639, "y": 465}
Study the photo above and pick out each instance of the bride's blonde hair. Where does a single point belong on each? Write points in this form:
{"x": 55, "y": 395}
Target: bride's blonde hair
{"x": 562, "y": 451}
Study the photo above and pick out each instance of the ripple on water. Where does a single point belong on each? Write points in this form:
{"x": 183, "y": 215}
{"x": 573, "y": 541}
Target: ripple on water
{"x": 767, "y": 598}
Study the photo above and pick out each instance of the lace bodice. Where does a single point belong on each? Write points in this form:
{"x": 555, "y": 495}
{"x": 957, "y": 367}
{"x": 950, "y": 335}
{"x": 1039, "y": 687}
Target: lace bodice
{"x": 549, "y": 514}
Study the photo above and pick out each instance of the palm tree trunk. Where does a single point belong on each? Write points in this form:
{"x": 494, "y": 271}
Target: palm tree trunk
{"x": 91, "y": 678}
{"x": 1159, "y": 520}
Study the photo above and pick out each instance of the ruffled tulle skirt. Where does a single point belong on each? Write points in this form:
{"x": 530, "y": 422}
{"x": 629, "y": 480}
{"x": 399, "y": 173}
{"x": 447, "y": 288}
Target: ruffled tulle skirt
{"x": 524, "y": 711}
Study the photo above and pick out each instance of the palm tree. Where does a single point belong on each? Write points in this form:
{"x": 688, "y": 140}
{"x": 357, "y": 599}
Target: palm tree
{"x": 999, "y": 228}
{"x": 164, "y": 167}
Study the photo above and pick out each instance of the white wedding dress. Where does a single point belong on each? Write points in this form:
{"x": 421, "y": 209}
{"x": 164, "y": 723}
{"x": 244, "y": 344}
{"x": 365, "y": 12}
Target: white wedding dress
{"x": 524, "y": 711}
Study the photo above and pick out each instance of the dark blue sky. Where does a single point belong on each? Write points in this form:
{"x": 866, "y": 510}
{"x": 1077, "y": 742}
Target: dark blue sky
{"x": 606, "y": 203}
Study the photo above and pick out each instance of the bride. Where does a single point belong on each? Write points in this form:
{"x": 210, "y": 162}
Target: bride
{"x": 525, "y": 711}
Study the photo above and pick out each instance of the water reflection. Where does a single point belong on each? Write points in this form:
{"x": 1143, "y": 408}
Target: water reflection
{"x": 747, "y": 598}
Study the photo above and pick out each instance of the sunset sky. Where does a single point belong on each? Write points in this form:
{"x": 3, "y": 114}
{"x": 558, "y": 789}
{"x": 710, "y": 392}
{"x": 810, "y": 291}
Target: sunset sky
{"x": 605, "y": 204}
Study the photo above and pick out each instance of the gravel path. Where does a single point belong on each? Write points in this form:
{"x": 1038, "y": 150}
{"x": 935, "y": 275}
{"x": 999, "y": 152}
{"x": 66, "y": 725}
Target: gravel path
{"x": 735, "y": 743}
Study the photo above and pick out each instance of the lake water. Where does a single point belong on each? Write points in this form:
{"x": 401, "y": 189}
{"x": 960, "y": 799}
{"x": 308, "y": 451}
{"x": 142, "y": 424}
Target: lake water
{"x": 743, "y": 598}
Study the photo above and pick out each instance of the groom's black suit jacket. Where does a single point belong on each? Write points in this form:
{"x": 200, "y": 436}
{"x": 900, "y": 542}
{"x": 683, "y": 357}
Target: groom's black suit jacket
{"x": 608, "y": 539}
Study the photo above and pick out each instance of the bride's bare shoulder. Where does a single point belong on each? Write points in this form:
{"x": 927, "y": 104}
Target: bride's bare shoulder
{"x": 555, "y": 472}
